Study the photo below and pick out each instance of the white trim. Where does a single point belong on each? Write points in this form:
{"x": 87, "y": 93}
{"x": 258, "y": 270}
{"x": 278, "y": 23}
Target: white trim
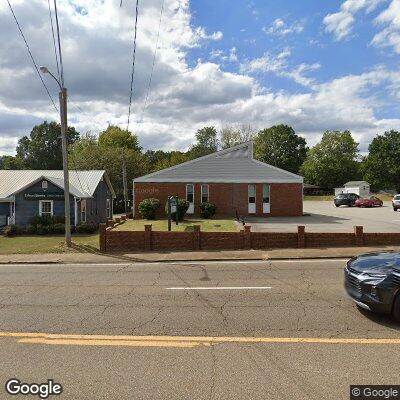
{"x": 83, "y": 201}
{"x": 266, "y": 206}
{"x": 191, "y": 205}
{"x": 51, "y": 206}
{"x": 75, "y": 212}
{"x": 201, "y": 192}
{"x": 252, "y": 207}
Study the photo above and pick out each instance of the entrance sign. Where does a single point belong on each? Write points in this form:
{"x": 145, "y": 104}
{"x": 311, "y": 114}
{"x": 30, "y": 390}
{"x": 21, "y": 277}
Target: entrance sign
{"x": 44, "y": 196}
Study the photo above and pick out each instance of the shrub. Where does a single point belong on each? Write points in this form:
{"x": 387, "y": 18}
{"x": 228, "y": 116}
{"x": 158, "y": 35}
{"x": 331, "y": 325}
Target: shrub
{"x": 183, "y": 206}
{"x": 42, "y": 229}
{"x": 13, "y": 230}
{"x": 207, "y": 210}
{"x": 46, "y": 220}
{"x": 58, "y": 228}
{"x": 86, "y": 228}
{"x": 148, "y": 208}
{"x": 31, "y": 229}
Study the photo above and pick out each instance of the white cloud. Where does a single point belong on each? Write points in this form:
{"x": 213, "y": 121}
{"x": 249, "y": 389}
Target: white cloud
{"x": 341, "y": 23}
{"x": 97, "y": 54}
{"x": 266, "y": 63}
{"x": 280, "y": 28}
{"x": 390, "y": 35}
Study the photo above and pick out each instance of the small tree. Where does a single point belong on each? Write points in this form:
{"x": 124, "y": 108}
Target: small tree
{"x": 148, "y": 208}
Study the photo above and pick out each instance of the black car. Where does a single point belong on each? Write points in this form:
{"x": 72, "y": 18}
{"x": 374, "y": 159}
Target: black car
{"x": 345, "y": 199}
{"x": 373, "y": 281}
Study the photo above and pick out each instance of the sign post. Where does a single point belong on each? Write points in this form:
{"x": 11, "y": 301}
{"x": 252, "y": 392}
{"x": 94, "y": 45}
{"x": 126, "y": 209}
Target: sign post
{"x": 172, "y": 206}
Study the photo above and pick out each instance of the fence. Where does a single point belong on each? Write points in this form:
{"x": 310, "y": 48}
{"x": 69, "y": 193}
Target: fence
{"x": 149, "y": 240}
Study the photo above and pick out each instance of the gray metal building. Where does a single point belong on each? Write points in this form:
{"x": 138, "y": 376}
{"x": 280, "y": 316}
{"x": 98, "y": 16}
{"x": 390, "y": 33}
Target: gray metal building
{"x": 27, "y": 193}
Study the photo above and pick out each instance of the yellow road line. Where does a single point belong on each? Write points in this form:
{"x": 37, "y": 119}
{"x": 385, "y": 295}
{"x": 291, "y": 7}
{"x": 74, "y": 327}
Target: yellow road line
{"x": 178, "y": 341}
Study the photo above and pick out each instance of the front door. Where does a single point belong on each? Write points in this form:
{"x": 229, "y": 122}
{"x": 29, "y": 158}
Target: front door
{"x": 190, "y": 198}
{"x": 266, "y": 199}
{"x": 252, "y": 198}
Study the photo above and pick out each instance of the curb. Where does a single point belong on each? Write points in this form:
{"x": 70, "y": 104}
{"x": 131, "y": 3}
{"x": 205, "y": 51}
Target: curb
{"x": 345, "y": 257}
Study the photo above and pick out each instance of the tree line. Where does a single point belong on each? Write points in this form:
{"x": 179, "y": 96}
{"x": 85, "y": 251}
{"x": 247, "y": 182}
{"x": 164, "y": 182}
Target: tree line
{"x": 334, "y": 160}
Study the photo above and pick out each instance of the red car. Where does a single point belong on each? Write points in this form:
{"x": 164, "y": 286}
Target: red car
{"x": 371, "y": 202}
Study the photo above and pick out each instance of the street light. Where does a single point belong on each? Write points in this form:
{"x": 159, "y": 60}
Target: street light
{"x": 64, "y": 126}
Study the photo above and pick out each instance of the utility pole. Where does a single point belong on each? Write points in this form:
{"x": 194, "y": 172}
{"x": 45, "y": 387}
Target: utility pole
{"x": 64, "y": 144}
{"x": 124, "y": 181}
{"x": 64, "y": 141}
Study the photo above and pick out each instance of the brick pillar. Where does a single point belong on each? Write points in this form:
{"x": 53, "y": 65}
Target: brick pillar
{"x": 359, "y": 235}
{"x": 247, "y": 237}
{"x": 103, "y": 237}
{"x": 196, "y": 237}
{"x": 147, "y": 238}
{"x": 301, "y": 236}
{"x": 123, "y": 217}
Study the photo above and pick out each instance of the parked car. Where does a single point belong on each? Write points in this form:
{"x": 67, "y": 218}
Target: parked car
{"x": 370, "y": 202}
{"x": 396, "y": 202}
{"x": 373, "y": 282}
{"x": 345, "y": 199}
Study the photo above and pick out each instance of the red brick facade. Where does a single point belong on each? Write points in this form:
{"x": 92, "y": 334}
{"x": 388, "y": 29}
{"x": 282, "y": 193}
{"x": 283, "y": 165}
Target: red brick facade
{"x": 148, "y": 240}
{"x": 286, "y": 199}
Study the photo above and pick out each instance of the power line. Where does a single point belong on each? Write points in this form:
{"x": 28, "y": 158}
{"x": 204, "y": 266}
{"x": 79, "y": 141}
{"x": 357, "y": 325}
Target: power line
{"x": 59, "y": 43}
{"x": 30, "y": 54}
{"x": 54, "y": 40}
{"x": 154, "y": 59}
{"x": 133, "y": 64}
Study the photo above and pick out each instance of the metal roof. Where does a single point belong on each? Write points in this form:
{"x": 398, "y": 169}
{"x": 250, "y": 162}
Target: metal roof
{"x": 356, "y": 183}
{"x": 82, "y": 183}
{"x": 235, "y": 164}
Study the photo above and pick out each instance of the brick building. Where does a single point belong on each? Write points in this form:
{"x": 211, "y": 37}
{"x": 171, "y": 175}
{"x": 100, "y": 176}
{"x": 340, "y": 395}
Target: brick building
{"x": 231, "y": 179}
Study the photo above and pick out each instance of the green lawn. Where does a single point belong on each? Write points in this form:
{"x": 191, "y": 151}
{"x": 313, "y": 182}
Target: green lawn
{"x": 208, "y": 225}
{"x": 47, "y": 244}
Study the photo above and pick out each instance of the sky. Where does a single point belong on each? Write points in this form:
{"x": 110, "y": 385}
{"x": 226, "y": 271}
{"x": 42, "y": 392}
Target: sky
{"x": 314, "y": 65}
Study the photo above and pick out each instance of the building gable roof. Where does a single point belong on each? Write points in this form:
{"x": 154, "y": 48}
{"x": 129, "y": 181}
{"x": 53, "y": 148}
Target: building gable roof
{"x": 82, "y": 183}
{"x": 356, "y": 183}
{"x": 235, "y": 164}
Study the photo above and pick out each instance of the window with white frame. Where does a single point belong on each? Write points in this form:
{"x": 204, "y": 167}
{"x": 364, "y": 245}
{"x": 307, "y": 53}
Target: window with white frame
{"x": 108, "y": 208}
{"x": 83, "y": 210}
{"x": 46, "y": 208}
{"x": 44, "y": 184}
{"x": 204, "y": 194}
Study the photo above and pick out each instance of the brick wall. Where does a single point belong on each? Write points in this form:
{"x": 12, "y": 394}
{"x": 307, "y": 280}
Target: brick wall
{"x": 148, "y": 240}
{"x": 286, "y": 198}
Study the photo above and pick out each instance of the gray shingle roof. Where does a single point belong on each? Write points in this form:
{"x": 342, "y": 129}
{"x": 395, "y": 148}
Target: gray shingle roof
{"x": 82, "y": 183}
{"x": 231, "y": 165}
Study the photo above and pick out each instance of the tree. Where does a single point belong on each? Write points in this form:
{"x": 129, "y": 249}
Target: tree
{"x": 87, "y": 153}
{"x": 333, "y": 161}
{"x": 119, "y": 138}
{"x": 280, "y": 146}
{"x": 173, "y": 158}
{"x": 10, "y": 162}
{"x": 381, "y": 168}
{"x": 234, "y": 135}
{"x": 42, "y": 150}
{"x": 206, "y": 142}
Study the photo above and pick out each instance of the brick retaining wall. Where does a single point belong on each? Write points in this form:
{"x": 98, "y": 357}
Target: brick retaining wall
{"x": 149, "y": 240}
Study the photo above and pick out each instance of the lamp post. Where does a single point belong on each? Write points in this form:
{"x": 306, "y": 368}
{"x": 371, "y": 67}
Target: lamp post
{"x": 64, "y": 126}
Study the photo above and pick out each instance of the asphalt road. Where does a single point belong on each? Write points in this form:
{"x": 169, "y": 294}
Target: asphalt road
{"x": 173, "y": 331}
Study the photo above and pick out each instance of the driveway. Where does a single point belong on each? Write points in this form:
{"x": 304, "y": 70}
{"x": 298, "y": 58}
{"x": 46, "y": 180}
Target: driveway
{"x": 323, "y": 216}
